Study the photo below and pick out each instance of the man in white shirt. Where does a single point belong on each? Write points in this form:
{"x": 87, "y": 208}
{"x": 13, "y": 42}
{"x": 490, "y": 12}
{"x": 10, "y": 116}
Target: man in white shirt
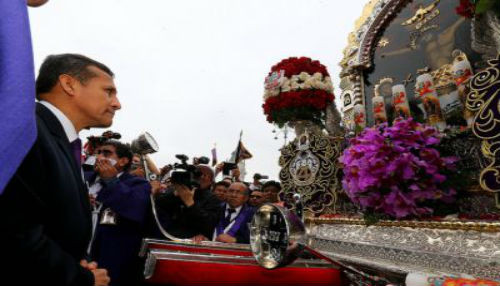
{"x": 236, "y": 215}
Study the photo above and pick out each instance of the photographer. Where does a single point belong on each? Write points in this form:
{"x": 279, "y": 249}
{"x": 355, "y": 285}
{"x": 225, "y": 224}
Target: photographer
{"x": 256, "y": 184}
{"x": 191, "y": 211}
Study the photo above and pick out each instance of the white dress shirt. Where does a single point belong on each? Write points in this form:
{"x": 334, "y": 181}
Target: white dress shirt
{"x": 67, "y": 125}
{"x": 232, "y": 219}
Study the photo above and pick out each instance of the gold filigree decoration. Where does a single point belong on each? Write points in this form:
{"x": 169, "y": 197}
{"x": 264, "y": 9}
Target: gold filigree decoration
{"x": 453, "y": 225}
{"x": 423, "y": 14}
{"x": 383, "y": 42}
{"x": 310, "y": 169}
{"x": 484, "y": 100}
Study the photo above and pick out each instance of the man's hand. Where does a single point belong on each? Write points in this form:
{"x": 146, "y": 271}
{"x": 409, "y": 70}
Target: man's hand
{"x": 157, "y": 187}
{"x": 101, "y": 277}
{"x": 105, "y": 169}
{"x": 185, "y": 194}
{"x": 139, "y": 172}
{"x": 219, "y": 167}
{"x": 199, "y": 238}
{"x": 236, "y": 174}
{"x": 225, "y": 238}
{"x": 88, "y": 265}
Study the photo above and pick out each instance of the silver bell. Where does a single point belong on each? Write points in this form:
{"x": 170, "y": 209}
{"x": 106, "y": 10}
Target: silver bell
{"x": 108, "y": 217}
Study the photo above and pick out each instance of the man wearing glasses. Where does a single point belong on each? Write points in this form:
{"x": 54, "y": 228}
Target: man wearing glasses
{"x": 236, "y": 215}
{"x": 120, "y": 204}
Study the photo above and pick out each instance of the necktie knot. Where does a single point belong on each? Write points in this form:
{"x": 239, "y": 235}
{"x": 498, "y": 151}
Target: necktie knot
{"x": 76, "y": 147}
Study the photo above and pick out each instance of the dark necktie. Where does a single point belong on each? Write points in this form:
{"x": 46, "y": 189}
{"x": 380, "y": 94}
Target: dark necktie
{"x": 76, "y": 147}
{"x": 227, "y": 219}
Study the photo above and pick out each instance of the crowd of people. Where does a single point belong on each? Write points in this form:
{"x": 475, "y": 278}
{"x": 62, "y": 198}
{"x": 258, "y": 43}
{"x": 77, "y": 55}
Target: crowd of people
{"x": 119, "y": 193}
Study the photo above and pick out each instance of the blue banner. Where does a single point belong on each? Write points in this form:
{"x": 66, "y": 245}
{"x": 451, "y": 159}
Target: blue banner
{"x": 17, "y": 88}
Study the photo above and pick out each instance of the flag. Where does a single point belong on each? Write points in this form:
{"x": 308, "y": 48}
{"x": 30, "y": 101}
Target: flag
{"x": 214, "y": 156}
{"x": 241, "y": 153}
{"x": 17, "y": 88}
{"x": 244, "y": 153}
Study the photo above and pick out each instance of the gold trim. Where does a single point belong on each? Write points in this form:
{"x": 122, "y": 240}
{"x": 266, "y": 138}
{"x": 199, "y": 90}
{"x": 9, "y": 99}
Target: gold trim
{"x": 452, "y": 225}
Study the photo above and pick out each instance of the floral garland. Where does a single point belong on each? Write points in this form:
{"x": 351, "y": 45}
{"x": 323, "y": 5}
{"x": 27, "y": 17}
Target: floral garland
{"x": 397, "y": 170}
{"x": 297, "y": 89}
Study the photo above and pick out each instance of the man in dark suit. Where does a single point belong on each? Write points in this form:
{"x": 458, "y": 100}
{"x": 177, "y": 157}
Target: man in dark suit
{"x": 121, "y": 206}
{"x": 235, "y": 217}
{"x": 45, "y": 218}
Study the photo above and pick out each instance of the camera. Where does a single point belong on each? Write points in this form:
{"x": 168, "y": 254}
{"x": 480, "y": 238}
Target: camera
{"x": 96, "y": 141}
{"x": 227, "y": 167}
{"x": 185, "y": 174}
{"x": 259, "y": 177}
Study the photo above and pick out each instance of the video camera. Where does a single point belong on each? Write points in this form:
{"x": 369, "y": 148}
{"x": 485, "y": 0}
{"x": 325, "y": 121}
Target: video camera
{"x": 185, "y": 174}
{"x": 259, "y": 177}
{"x": 96, "y": 141}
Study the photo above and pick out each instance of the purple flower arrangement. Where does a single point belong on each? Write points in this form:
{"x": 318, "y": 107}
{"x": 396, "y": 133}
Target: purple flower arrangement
{"x": 397, "y": 170}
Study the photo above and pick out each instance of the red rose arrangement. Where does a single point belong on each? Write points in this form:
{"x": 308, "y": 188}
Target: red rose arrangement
{"x": 471, "y": 8}
{"x": 466, "y": 9}
{"x": 297, "y": 89}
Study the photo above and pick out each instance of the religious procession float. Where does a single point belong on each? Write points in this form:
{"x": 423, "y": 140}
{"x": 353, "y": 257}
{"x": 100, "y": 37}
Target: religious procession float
{"x": 403, "y": 189}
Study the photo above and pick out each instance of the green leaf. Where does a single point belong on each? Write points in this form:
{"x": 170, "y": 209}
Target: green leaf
{"x": 483, "y": 6}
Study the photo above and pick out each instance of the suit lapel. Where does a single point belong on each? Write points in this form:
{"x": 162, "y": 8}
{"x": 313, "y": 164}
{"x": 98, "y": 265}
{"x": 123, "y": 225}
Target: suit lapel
{"x": 60, "y": 137}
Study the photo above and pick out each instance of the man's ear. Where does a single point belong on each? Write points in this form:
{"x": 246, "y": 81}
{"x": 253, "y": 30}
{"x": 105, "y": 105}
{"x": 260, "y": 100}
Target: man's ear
{"x": 68, "y": 84}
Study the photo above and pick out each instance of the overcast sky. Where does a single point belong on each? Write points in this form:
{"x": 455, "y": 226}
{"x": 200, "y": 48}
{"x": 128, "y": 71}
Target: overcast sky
{"x": 191, "y": 72}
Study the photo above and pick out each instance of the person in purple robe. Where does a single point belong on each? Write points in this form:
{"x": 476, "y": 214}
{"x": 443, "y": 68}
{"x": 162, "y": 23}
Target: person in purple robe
{"x": 122, "y": 209}
{"x": 235, "y": 216}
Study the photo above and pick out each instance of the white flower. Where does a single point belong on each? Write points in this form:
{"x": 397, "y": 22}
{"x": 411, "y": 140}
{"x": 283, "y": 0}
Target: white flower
{"x": 304, "y": 76}
{"x": 317, "y": 76}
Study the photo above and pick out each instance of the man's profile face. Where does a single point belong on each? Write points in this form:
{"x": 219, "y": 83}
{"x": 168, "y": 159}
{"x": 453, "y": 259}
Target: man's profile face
{"x": 257, "y": 198}
{"x": 96, "y": 99}
{"x": 236, "y": 195}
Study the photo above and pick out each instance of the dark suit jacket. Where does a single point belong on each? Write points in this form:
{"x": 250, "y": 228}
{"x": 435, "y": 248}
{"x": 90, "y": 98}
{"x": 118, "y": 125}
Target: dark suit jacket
{"x": 45, "y": 220}
{"x": 116, "y": 247}
{"x": 242, "y": 234}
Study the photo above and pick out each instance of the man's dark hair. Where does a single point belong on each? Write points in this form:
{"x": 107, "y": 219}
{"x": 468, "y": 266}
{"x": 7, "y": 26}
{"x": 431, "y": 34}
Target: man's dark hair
{"x": 122, "y": 151}
{"x": 275, "y": 184}
{"x": 222, "y": 183}
{"x": 71, "y": 64}
{"x": 207, "y": 170}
